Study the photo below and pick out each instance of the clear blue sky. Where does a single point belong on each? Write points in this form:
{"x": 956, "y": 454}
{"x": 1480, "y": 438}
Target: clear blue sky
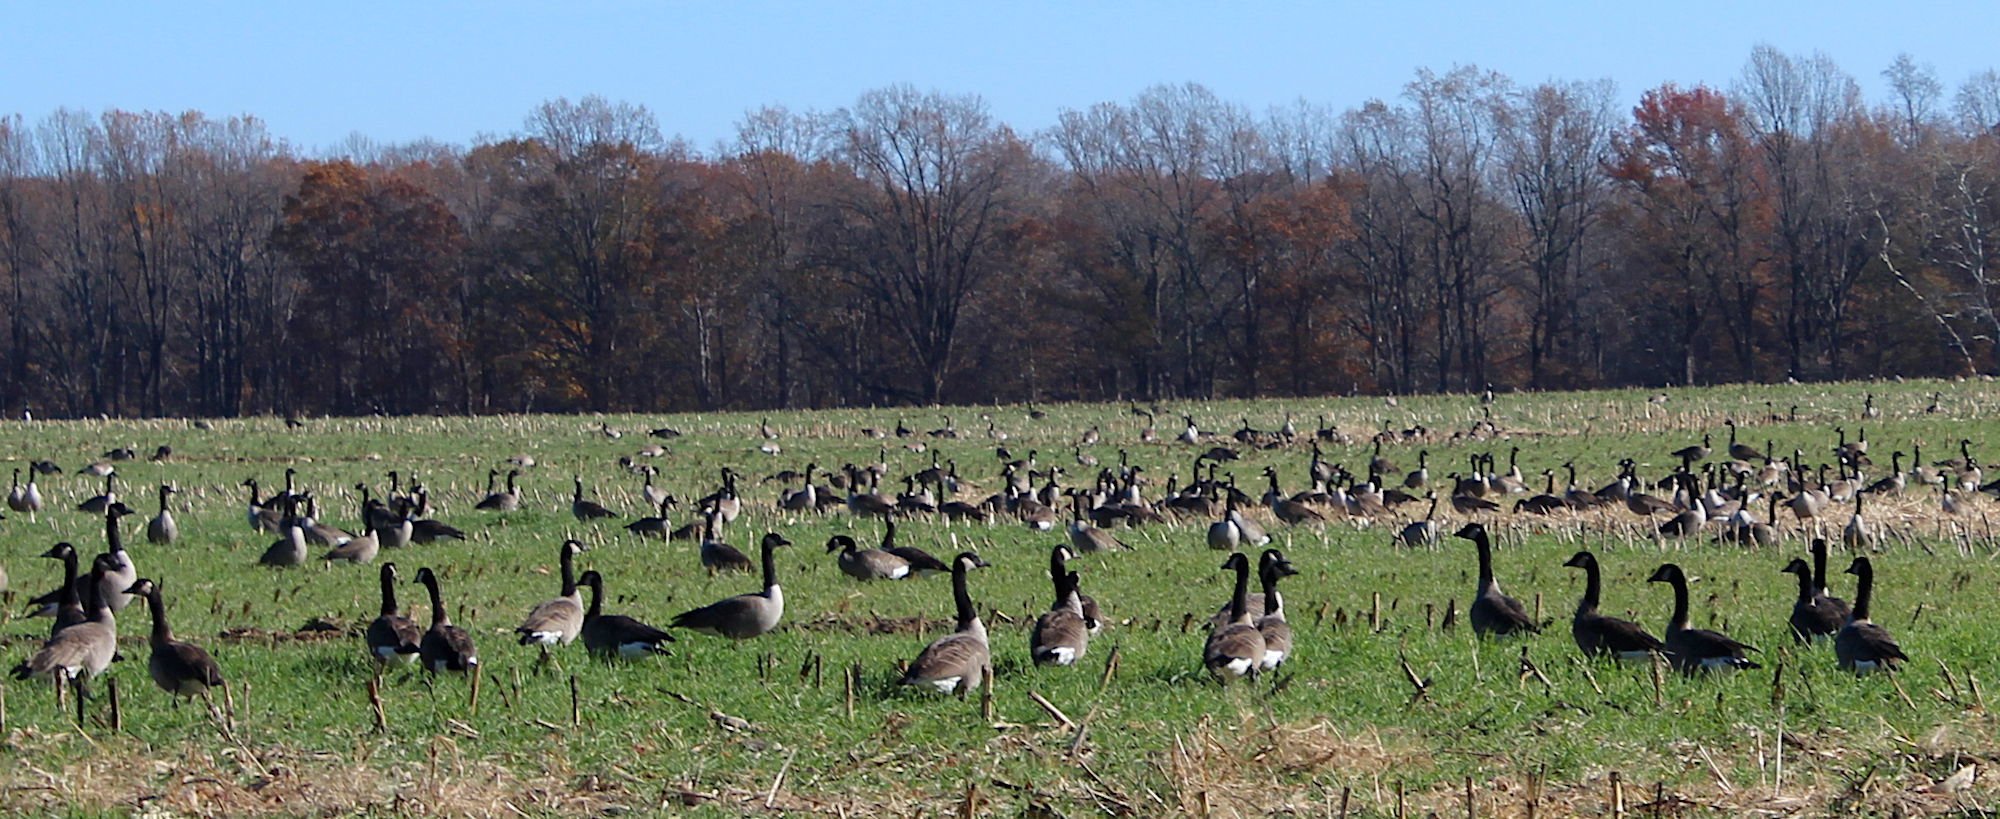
{"x": 316, "y": 72}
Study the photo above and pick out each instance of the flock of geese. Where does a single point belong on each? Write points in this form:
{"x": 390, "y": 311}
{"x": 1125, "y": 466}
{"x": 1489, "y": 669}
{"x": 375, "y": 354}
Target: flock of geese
{"x": 1247, "y": 636}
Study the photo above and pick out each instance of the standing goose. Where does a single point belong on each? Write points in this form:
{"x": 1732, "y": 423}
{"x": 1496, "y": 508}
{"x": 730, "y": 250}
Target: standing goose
{"x": 162, "y": 530}
{"x": 1493, "y": 612}
{"x": 180, "y": 669}
{"x": 1060, "y": 635}
{"x": 1087, "y": 538}
{"x": 745, "y": 615}
{"x": 1602, "y": 636}
{"x": 290, "y": 548}
{"x": 959, "y": 661}
{"x": 98, "y": 503}
{"x": 866, "y": 564}
{"x": 121, "y": 574}
{"x": 361, "y": 548}
{"x": 507, "y": 501}
{"x": 717, "y": 556}
{"x": 68, "y": 604}
{"x": 17, "y": 496}
{"x": 1857, "y": 534}
{"x": 445, "y": 647}
{"x": 587, "y": 510}
{"x": 616, "y": 635}
{"x": 557, "y": 620}
{"x": 1814, "y": 616}
{"x": 391, "y": 637}
{"x": 1059, "y": 558}
{"x": 80, "y": 652}
{"x": 1237, "y": 648}
{"x": 1271, "y": 568}
{"x": 652, "y": 525}
{"x": 1864, "y": 645}
{"x": 31, "y": 497}
{"x": 1695, "y": 649}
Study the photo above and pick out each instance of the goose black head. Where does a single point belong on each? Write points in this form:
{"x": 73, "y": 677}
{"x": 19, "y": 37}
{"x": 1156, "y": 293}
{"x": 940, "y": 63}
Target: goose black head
{"x": 60, "y": 551}
{"x": 142, "y": 587}
{"x": 1667, "y": 573}
{"x": 1471, "y": 531}
{"x": 1581, "y": 560}
{"x": 1860, "y": 566}
{"x": 1237, "y": 562}
{"x": 1797, "y": 566}
{"x": 839, "y": 543}
{"x": 970, "y": 560}
{"x": 775, "y": 539}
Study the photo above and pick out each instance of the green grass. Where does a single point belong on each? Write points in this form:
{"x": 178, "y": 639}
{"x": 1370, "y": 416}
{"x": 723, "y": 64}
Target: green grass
{"x": 1161, "y": 738}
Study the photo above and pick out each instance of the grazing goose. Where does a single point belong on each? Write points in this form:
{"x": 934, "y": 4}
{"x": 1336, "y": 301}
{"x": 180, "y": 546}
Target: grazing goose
{"x": 1602, "y": 636}
{"x": 1493, "y": 612}
{"x": 80, "y": 652}
{"x": 1087, "y": 538}
{"x": 1693, "y": 650}
{"x": 921, "y": 562}
{"x": 717, "y": 556}
{"x": 1237, "y": 648}
{"x": 616, "y": 635}
{"x": 96, "y": 504}
{"x": 557, "y": 620}
{"x": 180, "y": 669}
{"x": 745, "y": 615}
{"x": 507, "y": 501}
{"x": 866, "y": 564}
{"x": 587, "y": 510}
{"x": 1814, "y": 617}
{"x": 1864, "y": 645}
{"x": 1061, "y": 636}
{"x": 361, "y": 548}
{"x": 391, "y": 637}
{"x": 445, "y": 647}
{"x": 957, "y": 662}
{"x": 162, "y": 530}
{"x": 1271, "y": 568}
{"x": 1857, "y": 534}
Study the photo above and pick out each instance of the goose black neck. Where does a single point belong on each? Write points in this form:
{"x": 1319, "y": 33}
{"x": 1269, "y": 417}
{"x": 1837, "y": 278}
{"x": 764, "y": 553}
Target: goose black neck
{"x": 961, "y": 595}
{"x": 1269, "y": 580}
{"x": 112, "y": 540}
{"x": 69, "y": 595}
{"x": 1239, "y": 601}
{"x": 1593, "y": 585}
{"x": 1057, "y": 568}
{"x": 157, "y": 604}
{"x": 770, "y": 564}
{"x": 388, "y": 594}
{"x": 1485, "y": 546}
{"x": 596, "y": 598}
{"x": 1819, "y": 566}
{"x": 1807, "y": 588}
{"x": 163, "y": 497}
{"x": 437, "y": 600}
{"x": 1680, "y": 618}
{"x": 568, "y": 570}
{"x": 1864, "y": 588}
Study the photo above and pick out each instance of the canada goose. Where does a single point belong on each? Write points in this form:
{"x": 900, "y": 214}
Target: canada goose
{"x": 1192, "y": 434}
{"x": 866, "y": 502}
{"x": 1689, "y": 454}
{"x": 1692, "y": 649}
{"x": 866, "y": 564}
{"x": 665, "y": 433}
{"x": 318, "y": 533}
{"x": 1087, "y": 538}
{"x": 586, "y": 510}
{"x": 1857, "y": 534}
{"x": 652, "y": 525}
{"x": 1059, "y": 558}
{"x": 67, "y": 604}
{"x": 1034, "y": 514}
{"x": 1868, "y": 408}
{"x": 959, "y": 661}
{"x": 44, "y": 466}
{"x": 717, "y": 556}
{"x": 445, "y": 647}
{"x": 1864, "y": 645}
{"x": 1422, "y": 474}
{"x": 1380, "y": 465}
{"x": 426, "y": 530}
{"x": 557, "y": 620}
{"x": 921, "y": 562}
{"x": 102, "y": 469}
{"x": 290, "y": 548}
{"x": 1598, "y": 635}
{"x": 1892, "y": 483}
{"x": 360, "y": 549}
{"x": 80, "y": 652}
{"x": 805, "y": 499}
{"x": 1466, "y": 504}
{"x": 96, "y": 504}
{"x": 391, "y": 637}
{"x": 1236, "y": 649}
{"x": 263, "y": 515}
{"x": 1741, "y": 452}
{"x": 1813, "y": 615}
{"x": 1493, "y": 612}
{"x": 745, "y": 615}
{"x": 180, "y": 669}
{"x": 1422, "y": 532}
{"x": 1686, "y": 522}
{"x": 17, "y": 496}
{"x": 616, "y": 635}
{"x": 1271, "y": 568}
{"x": 1060, "y": 636}
{"x": 655, "y": 496}
{"x": 1224, "y": 534}
{"x": 505, "y": 501}
{"x": 161, "y": 453}
{"x": 121, "y": 574}
{"x": 726, "y": 502}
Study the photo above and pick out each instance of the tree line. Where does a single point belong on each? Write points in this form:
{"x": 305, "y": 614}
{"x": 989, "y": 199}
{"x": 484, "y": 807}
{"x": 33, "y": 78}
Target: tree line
{"x": 1471, "y": 231}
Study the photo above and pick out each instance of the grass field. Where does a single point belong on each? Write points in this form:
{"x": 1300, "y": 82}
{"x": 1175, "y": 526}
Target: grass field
{"x": 769, "y": 725}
